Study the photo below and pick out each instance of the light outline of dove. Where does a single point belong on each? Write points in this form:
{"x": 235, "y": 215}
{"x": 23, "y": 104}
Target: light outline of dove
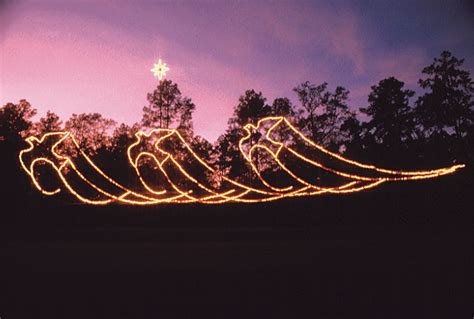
{"x": 238, "y": 191}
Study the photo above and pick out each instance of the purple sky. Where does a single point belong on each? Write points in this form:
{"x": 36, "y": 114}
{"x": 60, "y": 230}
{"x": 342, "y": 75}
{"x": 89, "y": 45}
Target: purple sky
{"x": 95, "y": 56}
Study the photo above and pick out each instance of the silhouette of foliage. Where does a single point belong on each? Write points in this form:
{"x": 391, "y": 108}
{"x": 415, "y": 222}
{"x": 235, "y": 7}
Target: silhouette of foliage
{"x": 168, "y": 108}
{"x": 282, "y": 106}
{"x": 323, "y": 113}
{"x": 122, "y": 137}
{"x": 352, "y": 135}
{"x": 15, "y": 120}
{"x": 446, "y": 111}
{"x": 230, "y": 162}
{"x": 90, "y": 131}
{"x": 15, "y": 123}
{"x": 391, "y": 128}
{"x": 252, "y": 106}
{"x": 49, "y": 123}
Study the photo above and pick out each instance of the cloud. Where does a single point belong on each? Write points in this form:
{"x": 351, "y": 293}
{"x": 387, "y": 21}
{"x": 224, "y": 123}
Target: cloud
{"x": 335, "y": 31}
{"x": 76, "y": 58}
{"x": 405, "y": 64}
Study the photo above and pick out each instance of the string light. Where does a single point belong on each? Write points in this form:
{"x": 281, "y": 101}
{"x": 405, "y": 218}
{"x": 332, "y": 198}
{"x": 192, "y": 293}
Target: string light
{"x": 278, "y": 146}
{"x": 203, "y": 192}
{"x": 159, "y": 69}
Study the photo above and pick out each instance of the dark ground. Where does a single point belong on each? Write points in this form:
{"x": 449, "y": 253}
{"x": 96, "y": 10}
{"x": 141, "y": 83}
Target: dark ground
{"x": 399, "y": 251}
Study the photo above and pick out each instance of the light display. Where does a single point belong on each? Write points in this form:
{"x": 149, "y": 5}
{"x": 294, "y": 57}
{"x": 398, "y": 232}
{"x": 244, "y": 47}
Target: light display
{"x": 159, "y": 69}
{"x": 180, "y": 184}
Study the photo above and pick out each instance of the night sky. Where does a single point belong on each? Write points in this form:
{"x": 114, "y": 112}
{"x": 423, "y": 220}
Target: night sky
{"x": 95, "y": 56}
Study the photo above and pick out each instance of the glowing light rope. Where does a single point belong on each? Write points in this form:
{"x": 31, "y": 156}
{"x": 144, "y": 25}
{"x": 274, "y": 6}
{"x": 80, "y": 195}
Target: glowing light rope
{"x": 159, "y": 69}
{"x": 277, "y": 147}
{"x": 44, "y": 151}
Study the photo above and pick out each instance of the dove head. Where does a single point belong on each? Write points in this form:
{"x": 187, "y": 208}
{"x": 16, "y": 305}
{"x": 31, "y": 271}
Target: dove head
{"x": 249, "y": 129}
{"x": 147, "y": 144}
{"x": 43, "y": 147}
{"x": 263, "y": 126}
{"x": 48, "y": 138}
{"x": 42, "y": 151}
{"x": 32, "y": 141}
{"x": 152, "y": 139}
{"x": 258, "y": 136}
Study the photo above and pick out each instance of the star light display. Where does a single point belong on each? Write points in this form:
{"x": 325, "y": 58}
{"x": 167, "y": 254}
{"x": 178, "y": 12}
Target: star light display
{"x": 79, "y": 175}
{"x": 159, "y": 69}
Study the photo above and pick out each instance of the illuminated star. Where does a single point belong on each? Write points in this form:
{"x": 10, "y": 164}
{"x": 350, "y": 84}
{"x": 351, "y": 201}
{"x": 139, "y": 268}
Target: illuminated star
{"x": 159, "y": 69}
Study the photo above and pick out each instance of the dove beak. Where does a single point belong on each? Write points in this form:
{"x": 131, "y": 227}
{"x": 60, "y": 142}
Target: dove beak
{"x": 32, "y": 140}
{"x": 248, "y": 127}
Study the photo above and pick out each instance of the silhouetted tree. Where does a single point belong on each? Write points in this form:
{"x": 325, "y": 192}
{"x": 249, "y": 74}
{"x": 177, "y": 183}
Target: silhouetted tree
{"x": 391, "y": 128}
{"x": 167, "y": 108}
{"x": 312, "y": 97}
{"x": 15, "y": 120}
{"x": 230, "y": 161}
{"x": 205, "y": 150}
{"x": 446, "y": 110}
{"x": 185, "y": 110}
{"x": 282, "y": 106}
{"x": 90, "y": 130}
{"x": 114, "y": 158}
{"x": 352, "y": 136}
{"x": 15, "y": 124}
{"x": 323, "y": 113}
{"x": 122, "y": 137}
{"x": 49, "y": 123}
{"x": 251, "y": 108}
{"x": 335, "y": 114}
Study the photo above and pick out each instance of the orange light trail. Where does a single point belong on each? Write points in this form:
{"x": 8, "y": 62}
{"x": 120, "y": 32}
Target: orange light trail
{"x": 204, "y": 192}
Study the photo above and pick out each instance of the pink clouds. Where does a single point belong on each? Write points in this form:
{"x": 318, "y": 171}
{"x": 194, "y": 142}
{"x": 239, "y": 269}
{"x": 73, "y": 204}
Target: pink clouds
{"x": 335, "y": 31}
{"x": 69, "y": 75}
{"x": 406, "y": 65}
{"x": 74, "y": 58}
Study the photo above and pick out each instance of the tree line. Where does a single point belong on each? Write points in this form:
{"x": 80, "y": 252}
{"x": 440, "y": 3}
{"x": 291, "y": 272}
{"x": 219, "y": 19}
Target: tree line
{"x": 394, "y": 129}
